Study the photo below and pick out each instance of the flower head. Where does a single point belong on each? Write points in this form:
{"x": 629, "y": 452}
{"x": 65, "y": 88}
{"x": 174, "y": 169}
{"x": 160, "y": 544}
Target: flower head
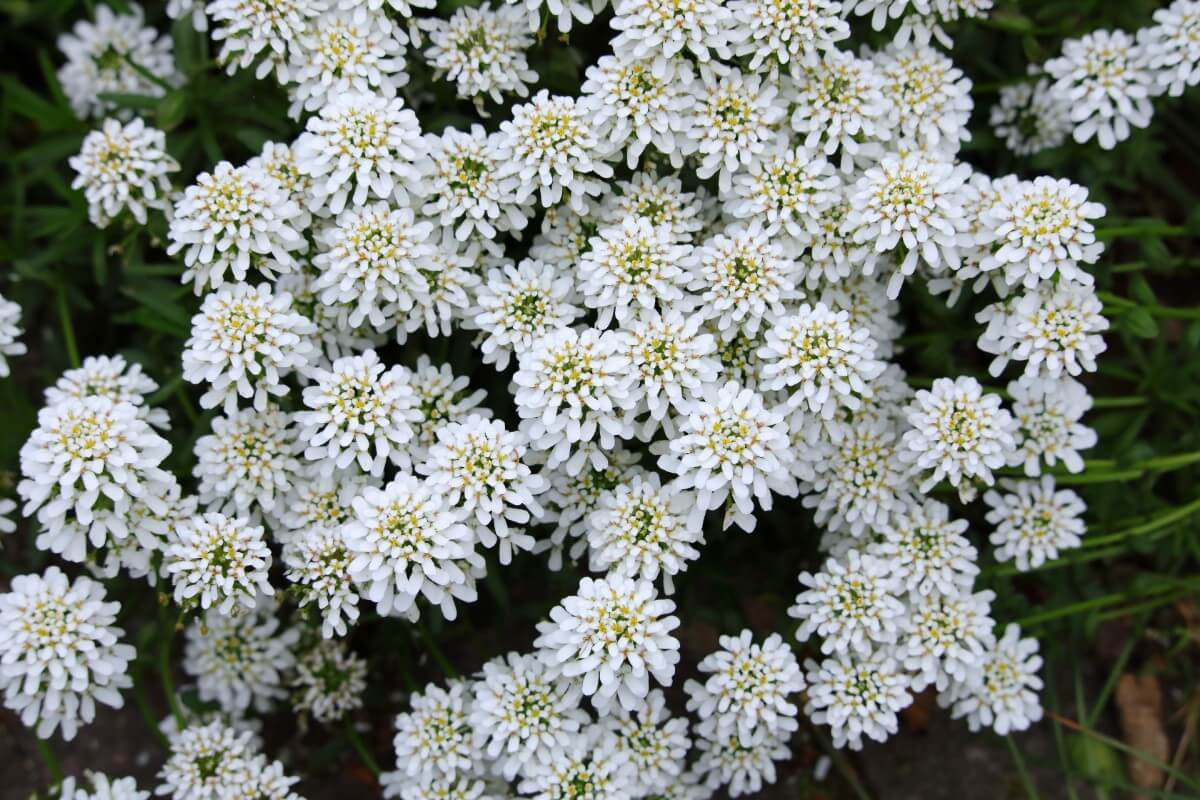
{"x": 61, "y": 653}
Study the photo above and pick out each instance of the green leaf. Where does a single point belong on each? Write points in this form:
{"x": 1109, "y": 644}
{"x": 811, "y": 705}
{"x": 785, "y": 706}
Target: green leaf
{"x": 1094, "y": 759}
{"x": 1140, "y": 290}
{"x": 172, "y": 110}
{"x": 1139, "y": 322}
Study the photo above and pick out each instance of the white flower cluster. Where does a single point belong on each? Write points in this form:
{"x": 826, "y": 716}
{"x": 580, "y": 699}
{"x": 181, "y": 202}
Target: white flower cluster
{"x": 10, "y": 334}
{"x": 687, "y": 277}
{"x": 215, "y": 760}
{"x": 1101, "y": 85}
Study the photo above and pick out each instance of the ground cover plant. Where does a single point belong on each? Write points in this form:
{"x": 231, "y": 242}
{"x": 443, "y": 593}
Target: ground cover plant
{"x": 631, "y": 399}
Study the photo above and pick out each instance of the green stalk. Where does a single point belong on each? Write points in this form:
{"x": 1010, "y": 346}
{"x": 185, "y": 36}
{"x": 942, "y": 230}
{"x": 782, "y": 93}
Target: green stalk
{"x": 1146, "y": 229}
{"x": 49, "y": 759}
{"x": 164, "y": 663}
{"x": 1022, "y": 770}
{"x": 361, "y": 748}
{"x": 435, "y": 651}
{"x": 68, "y": 329}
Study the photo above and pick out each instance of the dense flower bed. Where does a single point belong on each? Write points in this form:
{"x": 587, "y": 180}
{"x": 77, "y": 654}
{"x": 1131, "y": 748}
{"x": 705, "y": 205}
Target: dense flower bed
{"x": 684, "y": 278}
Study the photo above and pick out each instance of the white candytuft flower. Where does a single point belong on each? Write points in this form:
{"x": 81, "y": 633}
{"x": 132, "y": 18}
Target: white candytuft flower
{"x": 318, "y": 563}
{"x": 98, "y": 786}
{"x": 1002, "y": 695}
{"x": 240, "y": 661}
{"x": 112, "y": 377}
{"x": 521, "y": 715}
{"x": 785, "y": 33}
{"x": 588, "y": 767}
{"x": 235, "y": 218}
{"x": 1041, "y": 228}
{"x": 927, "y": 99}
{"x": 247, "y": 462}
{"x": 1054, "y": 329}
{"x": 1034, "y": 521}
{"x": 839, "y": 106}
{"x": 740, "y": 278}
{"x": 1105, "y": 80}
{"x": 642, "y": 529}
{"x": 341, "y": 52}
{"x": 650, "y": 29}
{"x": 857, "y": 696}
{"x": 207, "y": 761}
{"x": 958, "y": 432}
{"x": 476, "y": 464}
{"x": 359, "y": 146}
{"x": 852, "y": 604}
{"x": 572, "y": 388}
{"x": 482, "y": 50}
{"x": 60, "y": 652}
{"x": 855, "y": 481}
{"x": 371, "y": 260}
{"x": 462, "y": 186}
{"x": 225, "y": 562}
{"x": 104, "y": 57}
{"x": 945, "y": 638}
{"x": 734, "y": 118}
{"x": 819, "y": 359}
{"x": 927, "y": 552}
{"x": 746, "y": 689}
{"x": 742, "y": 766}
{"x": 610, "y": 639}
{"x": 358, "y": 412}
{"x": 434, "y": 739}
{"x": 1172, "y": 46}
{"x": 259, "y": 30}
{"x": 212, "y": 761}
{"x": 10, "y": 332}
{"x": 518, "y": 306}
{"x": 329, "y": 682}
{"x": 732, "y": 451}
{"x": 85, "y": 464}
{"x": 552, "y": 150}
{"x": 1048, "y": 427}
{"x": 405, "y": 543}
{"x": 910, "y": 205}
{"x": 791, "y": 188}
{"x": 674, "y": 361}
{"x": 653, "y": 744}
{"x": 638, "y": 103}
{"x": 245, "y": 341}
{"x": 122, "y": 167}
{"x": 632, "y": 268}
{"x": 453, "y": 283}
{"x": 1030, "y": 118}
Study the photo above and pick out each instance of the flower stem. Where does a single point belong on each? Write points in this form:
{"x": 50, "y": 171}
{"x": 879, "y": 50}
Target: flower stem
{"x": 49, "y": 759}
{"x": 1022, "y": 770}
{"x": 68, "y": 329}
{"x": 165, "y": 637}
{"x": 435, "y": 651}
{"x": 361, "y": 748}
{"x": 1146, "y": 229}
